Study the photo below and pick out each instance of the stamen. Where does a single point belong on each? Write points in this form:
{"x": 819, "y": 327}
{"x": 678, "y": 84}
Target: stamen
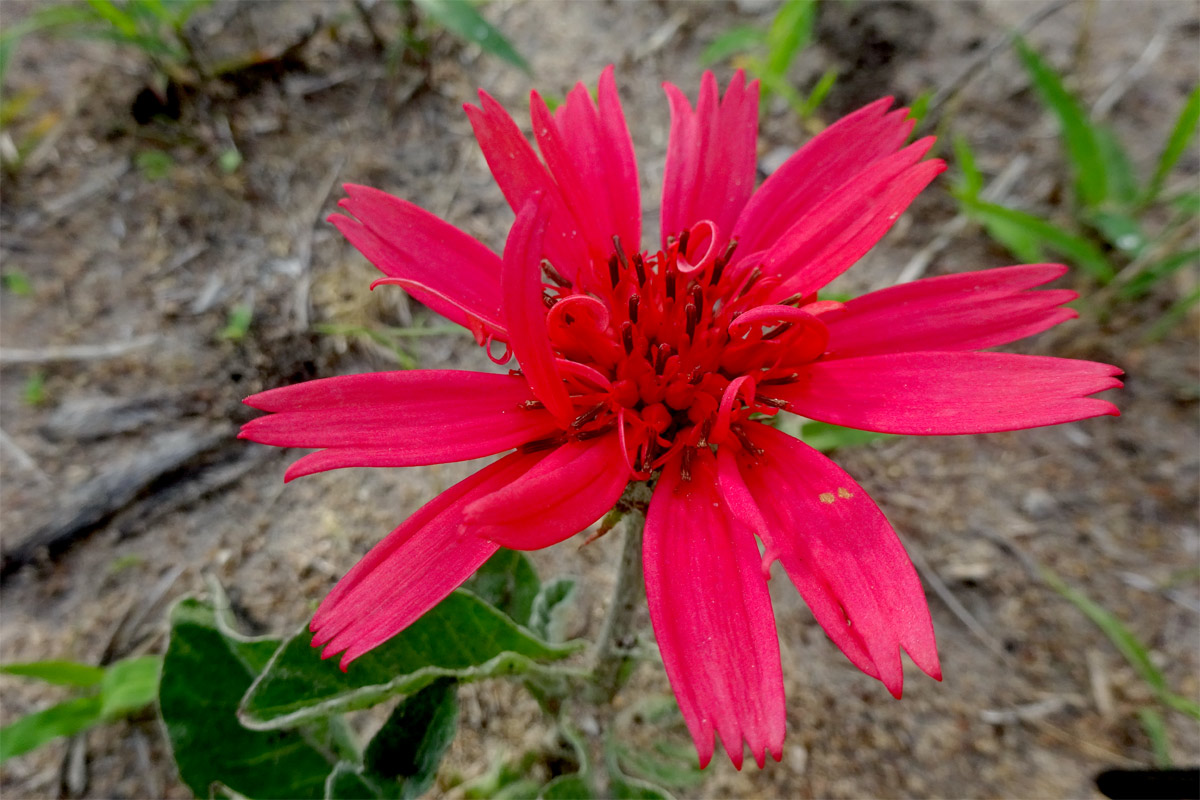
{"x": 554, "y": 275}
{"x": 755, "y": 274}
{"x": 640, "y": 267}
{"x": 769, "y": 401}
{"x": 598, "y": 432}
{"x": 683, "y": 243}
{"x": 538, "y": 445}
{"x": 633, "y": 308}
{"x": 661, "y": 354}
{"x": 548, "y": 300}
{"x": 721, "y": 262}
{"x": 692, "y": 314}
{"x": 620, "y": 252}
{"x": 685, "y": 466}
{"x": 627, "y": 337}
{"x": 780, "y": 380}
{"x": 588, "y": 416}
{"x": 613, "y": 275}
{"x": 697, "y": 295}
{"x": 740, "y": 433}
{"x": 777, "y": 330}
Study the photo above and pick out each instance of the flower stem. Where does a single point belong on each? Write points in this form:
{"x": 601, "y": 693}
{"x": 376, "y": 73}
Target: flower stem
{"x": 612, "y": 657}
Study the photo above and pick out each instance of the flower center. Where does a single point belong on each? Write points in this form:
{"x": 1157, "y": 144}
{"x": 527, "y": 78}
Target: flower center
{"x": 677, "y": 348}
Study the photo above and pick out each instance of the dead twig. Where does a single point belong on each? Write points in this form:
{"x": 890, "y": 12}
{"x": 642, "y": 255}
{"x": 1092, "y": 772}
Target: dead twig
{"x": 79, "y": 352}
{"x": 304, "y": 245}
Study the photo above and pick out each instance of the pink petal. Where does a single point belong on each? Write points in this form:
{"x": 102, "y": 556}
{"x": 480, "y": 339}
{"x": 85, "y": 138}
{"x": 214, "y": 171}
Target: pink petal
{"x": 969, "y": 311}
{"x": 780, "y": 539}
{"x": 710, "y": 156}
{"x": 525, "y": 311}
{"x": 522, "y": 177}
{"x": 712, "y": 616}
{"x": 590, "y": 154}
{"x": 832, "y": 236}
{"x": 930, "y": 393}
{"x": 839, "y": 152}
{"x": 398, "y": 419}
{"x": 411, "y": 570}
{"x": 839, "y": 549}
{"x": 438, "y": 264}
{"x": 577, "y": 484}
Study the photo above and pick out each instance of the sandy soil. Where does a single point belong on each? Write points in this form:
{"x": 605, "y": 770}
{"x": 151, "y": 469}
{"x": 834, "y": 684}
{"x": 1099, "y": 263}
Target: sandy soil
{"x": 1035, "y": 701}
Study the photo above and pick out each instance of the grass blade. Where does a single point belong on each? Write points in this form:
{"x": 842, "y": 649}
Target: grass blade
{"x": 1075, "y": 248}
{"x": 1123, "y": 639}
{"x": 33, "y": 731}
{"x": 790, "y": 32}
{"x": 1079, "y": 136}
{"x": 461, "y": 18}
{"x": 1177, "y": 143}
{"x": 63, "y": 673}
{"x": 737, "y": 40}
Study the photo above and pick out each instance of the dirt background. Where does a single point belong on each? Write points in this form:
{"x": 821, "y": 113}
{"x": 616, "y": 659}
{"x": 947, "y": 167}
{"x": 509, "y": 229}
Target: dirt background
{"x": 1035, "y": 701}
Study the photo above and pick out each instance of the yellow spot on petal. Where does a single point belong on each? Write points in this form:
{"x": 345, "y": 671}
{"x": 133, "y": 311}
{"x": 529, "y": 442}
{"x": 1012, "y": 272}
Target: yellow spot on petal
{"x": 843, "y": 493}
{"x": 826, "y": 497}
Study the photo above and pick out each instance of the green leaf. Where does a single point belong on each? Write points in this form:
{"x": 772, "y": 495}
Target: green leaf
{"x": 461, "y": 18}
{"x": 153, "y": 164}
{"x": 1122, "y": 181}
{"x": 971, "y": 182}
{"x": 129, "y": 685}
{"x": 34, "y": 390}
{"x": 35, "y": 730}
{"x": 411, "y": 744}
{"x": 567, "y": 787}
{"x": 1075, "y": 248}
{"x": 17, "y": 283}
{"x": 826, "y": 437}
{"x": 1121, "y": 231}
{"x": 508, "y": 581}
{"x": 206, "y": 671}
{"x": 1079, "y": 137}
{"x": 63, "y": 673}
{"x": 1177, "y": 143}
{"x": 548, "y": 618}
{"x": 790, "y": 32}
{"x": 238, "y": 323}
{"x": 818, "y": 94}
{"x": 736, "y": 40}
{"x": 920, "y": 106}
{"x": 347, "y": 782}
{"x": 462, "y": 637}
{"x": 1156, "y": 731}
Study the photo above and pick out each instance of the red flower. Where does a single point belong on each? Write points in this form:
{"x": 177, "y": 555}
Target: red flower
{"x": 666, "y": 366}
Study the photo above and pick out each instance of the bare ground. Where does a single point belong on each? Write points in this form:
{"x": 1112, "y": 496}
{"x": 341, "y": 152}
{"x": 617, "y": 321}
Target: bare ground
{"x": 1035, "y": 701}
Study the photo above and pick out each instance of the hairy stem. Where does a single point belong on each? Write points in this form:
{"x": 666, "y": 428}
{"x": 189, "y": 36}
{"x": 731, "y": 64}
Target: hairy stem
{"x": 613, "y": 653}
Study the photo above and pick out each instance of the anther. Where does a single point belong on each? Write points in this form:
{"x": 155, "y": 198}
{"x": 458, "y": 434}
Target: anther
{"x": 721, "y": 262}
{"x": 696, "y": 376}
{"x": 685, "y": 463}
{"x": 769, "y": 401}
{"x": 588, "y": 416}
{"x": 538, "y": 445}
{"x": 613, "y": 274}
{"x": 755, "y": 274}
{"x": 692, "y": 313}
{"x": 598, "y": 432}
{"x": 697, "y": 295}
{"x": 683, "y": 243}
{"x": 779, "y": 381}
{"x": 548, "y": 299}
{"x": 627, "y": 337}
{"x": 633, "y": 308}
{"x": 777, "y": 330}
{"x": 661, "y": 354}
{"x": 620, "y": 254}
{"x": 740, "y": 433}
{"x": 640, "y": 266}
{"x": 554, "y": 275}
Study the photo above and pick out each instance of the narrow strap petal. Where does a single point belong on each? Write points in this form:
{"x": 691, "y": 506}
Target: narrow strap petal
{"x": 444, "y": 268}
{"x": 968, "y": 311}
{"x": 843, "y": 555}
{"x": 828, "y": 160}
{"x": 577, "y": 484}
{"x": 412, "y": 569}
{"x": 525, "y": 311}
{"x": 397, "y": 419}
{"x": 711, "y": 153}
{"x": 936, "y": 393}
{"x": 712, "y": 616}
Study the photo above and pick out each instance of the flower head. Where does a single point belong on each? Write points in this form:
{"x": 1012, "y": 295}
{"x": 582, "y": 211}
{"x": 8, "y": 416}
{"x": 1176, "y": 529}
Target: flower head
{"x": 667, "y": 365}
